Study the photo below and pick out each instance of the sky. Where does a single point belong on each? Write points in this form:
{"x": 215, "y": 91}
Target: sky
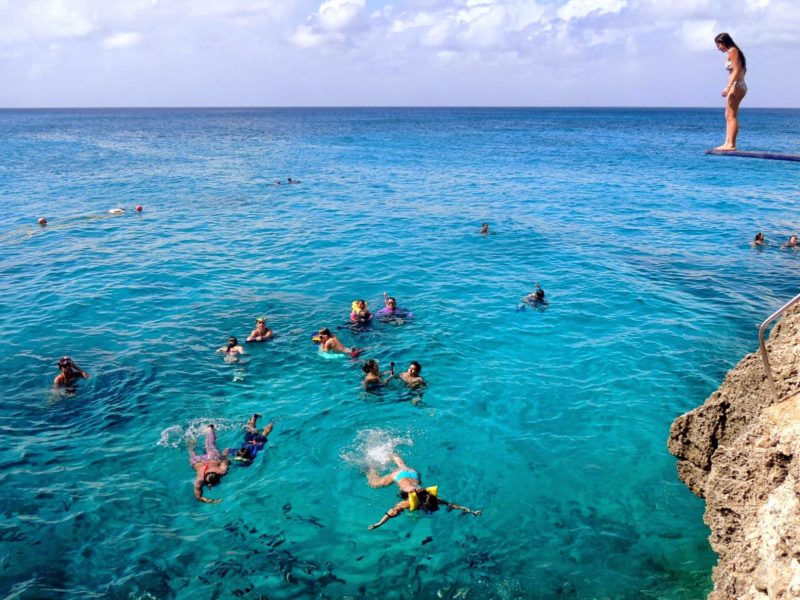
{"x": 102, "y": 53}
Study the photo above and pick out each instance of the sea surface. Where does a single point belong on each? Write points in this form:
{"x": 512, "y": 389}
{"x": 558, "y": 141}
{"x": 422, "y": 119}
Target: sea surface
{"x": 553, "y": 421}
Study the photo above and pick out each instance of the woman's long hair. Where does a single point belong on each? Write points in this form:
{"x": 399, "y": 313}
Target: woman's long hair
{"x": 726, "y": 40}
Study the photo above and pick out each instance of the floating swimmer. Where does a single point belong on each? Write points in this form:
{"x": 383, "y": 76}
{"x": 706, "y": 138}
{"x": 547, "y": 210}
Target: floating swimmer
{"x": 70, "y": 373}
{"x": 116, "y": 211}
{"x": 359, "y": 312}
{"x": 232, "y": 350}
{"x": 290, "y": 180}
{"x": 413, "y": 495}
{"x": 261, "y": 333}
{"x": 253, "y": 442}
{"x": 759, "y": 240}
{"x": 484, "y": 229}
{"x": 372, "y": 374}
{"x": 412, "y": 377}
{"x": 210, "y": 467}
{"x": 792, "y": 242}
{"x": 329, "y": 343}
{"x": 537, "y": 297}
{"x": 392, "y": 312}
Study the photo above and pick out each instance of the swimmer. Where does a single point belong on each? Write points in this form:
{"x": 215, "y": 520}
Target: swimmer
{"x": 758, "y": 240}
{"x": 372, "y": 374}
{"x": 412, "y": 493}
{"x": 116, "y": 211}
{"x": 412, "y": 377}
{"x": 70, "y": 372}
{"x": 792, "y": 242}
{"x": 537, "y": 297}
{"x": 232, "y": 350}
{"x": 253, "y": 442}
{"x": 210, "y": 467}
{"x": 484, "y": 229}
{"x": 392, "y": 311}
{"x": 290, "y": 180}
{"x": 360, "y": 313}
{"x": 261, "y": 333}
{"x": 330, "y": 343}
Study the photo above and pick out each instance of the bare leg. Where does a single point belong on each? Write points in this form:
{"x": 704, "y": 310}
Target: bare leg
{"x": 267, "y": 430}
{"x": 732, "y": 119}
{"x": 251, "y": 424}
{"x": 376, "y": 481}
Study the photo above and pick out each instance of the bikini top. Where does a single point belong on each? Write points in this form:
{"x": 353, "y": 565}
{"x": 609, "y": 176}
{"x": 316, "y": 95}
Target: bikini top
{"x": 728, "y": 65}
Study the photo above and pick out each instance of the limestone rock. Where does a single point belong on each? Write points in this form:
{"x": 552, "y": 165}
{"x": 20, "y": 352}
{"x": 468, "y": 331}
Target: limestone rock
{"x": 740, "y": 451}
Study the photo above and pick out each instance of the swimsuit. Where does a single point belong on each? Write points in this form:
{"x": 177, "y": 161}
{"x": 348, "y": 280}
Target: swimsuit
{"x": 253, "y": 443}
{"x": 406, "y": 474}
{"x": 740, "y": 83}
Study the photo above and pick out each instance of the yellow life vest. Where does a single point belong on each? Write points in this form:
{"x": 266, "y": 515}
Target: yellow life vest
{"x": 413, "y": 499}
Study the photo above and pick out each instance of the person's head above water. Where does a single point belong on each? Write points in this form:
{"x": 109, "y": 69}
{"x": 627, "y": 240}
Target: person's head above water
{"x": 414, "y": 367}
{"x": 391, "y": 301}
{"x": 725, "y": 42}
{"x": 370, "y": 366}
{"x": 485, "y": 228}
{"x": 324, "y": 332}
{"x": 427, "y": 502}
{"x": 232, "y": 342}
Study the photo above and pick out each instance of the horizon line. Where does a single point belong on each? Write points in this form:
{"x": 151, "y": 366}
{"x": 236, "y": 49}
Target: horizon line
{"x": 380, "y": 106}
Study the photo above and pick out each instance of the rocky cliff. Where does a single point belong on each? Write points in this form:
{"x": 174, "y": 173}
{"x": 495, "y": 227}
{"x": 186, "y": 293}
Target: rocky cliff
{"x": 740, "y": 451}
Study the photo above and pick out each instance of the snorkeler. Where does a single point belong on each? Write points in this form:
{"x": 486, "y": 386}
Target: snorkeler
{"x": 70, "y": 372}
{"x": 330, "y": 343}
{"x": 290, "y": 180}
{"x": 413, "y": 495}
{"x": 359, "y": 312}
{"x": 484, "y": 229}
{"x": 232, "y": 350}
{"x": 253, "y": 442}
{"x": 412, "y": 377}
{"x": 392, "y": 312}
{"x": 372, "y": 374}
{"x": 261, "y": 333}
{"x": 210, "y": 467}
{"x": 537, "y": 297}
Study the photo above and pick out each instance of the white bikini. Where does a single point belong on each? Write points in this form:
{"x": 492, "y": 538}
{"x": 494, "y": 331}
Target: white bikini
{"x": 740, "y": 83}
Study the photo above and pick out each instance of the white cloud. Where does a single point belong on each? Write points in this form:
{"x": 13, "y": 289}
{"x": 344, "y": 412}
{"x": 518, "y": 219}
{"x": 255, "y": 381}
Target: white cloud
{"x": 125, "y": 39}
{"x": 699, "y": 35}
{"x": 578, "y": 9}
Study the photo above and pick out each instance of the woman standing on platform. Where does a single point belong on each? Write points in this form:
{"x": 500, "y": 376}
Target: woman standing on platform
{"x": 736, "y": 89}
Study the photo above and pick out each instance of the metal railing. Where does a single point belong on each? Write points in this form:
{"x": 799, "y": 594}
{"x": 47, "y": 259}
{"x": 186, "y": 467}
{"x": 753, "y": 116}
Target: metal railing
{"x": 762, "y": 344}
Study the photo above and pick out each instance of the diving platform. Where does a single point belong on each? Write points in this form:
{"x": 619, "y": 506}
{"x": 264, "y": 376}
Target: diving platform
{"x": 751, "y": 154}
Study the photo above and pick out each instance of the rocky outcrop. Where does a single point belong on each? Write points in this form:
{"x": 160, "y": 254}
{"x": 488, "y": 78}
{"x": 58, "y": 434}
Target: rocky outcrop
{"x": 740, "y": 451}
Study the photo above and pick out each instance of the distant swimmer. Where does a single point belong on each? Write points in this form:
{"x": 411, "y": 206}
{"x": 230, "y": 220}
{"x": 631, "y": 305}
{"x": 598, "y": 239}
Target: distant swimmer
{"x": 70, "y": 373}
{"x": 484, "y": 229}
{"x": 290, "y": 180}
{"x": 413, "y": 495}
{"x": 330, "y": 343}
{"x": 261, "y": 333}
{"x": 232, "y": 350}
{"x": 116, "y": 211}
{"x": 253, "y": 442}
{"x": 210, "y": 467}
{"x": 412, "y": 377}
{"x": 792, "y": 242}
{"x": 373, "y": 378}
{"x": 759, "y": 240}
{"x": 537, "y": 297}
{"x": 735, "y": 90}
{"x": 392, "y": 312}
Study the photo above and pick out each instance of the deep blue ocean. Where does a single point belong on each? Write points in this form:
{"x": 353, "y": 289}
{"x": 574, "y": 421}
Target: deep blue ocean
{"x": 552, "y": 421}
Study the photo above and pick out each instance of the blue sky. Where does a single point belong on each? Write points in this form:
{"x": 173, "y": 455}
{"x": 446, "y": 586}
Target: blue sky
{"x": 392, "y": 53}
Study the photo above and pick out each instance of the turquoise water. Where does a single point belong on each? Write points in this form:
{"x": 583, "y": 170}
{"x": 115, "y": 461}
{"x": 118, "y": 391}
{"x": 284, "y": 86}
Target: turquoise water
{"x": 553, "y": 422}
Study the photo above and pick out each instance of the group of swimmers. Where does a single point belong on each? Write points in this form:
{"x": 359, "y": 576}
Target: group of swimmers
{"x": 760, "y": 241}
{"x": 211, "y": 466}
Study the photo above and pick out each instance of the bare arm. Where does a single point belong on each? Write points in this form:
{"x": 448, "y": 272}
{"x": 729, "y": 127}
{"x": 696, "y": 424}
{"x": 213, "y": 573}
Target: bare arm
{"x": 390, "y": 514}
{"x": 454, "y": 506}
{"x": 198, "y": 494}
